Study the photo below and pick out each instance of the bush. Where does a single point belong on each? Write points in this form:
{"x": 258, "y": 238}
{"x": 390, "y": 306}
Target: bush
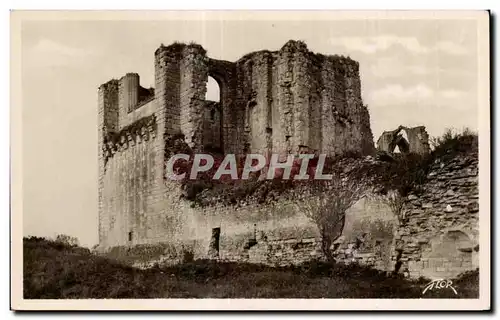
{"x": 67, "y": 240}
{"x": 468, "y": 277}
{"x": 187, "y": 256}
{"x": 452, "y": 143}
{"x": 404, "y": 173}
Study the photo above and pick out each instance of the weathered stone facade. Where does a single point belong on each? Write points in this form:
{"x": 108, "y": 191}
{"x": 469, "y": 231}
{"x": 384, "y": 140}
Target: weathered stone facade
{"x": 280, "y": 102}
{"x": 440, "y": 237}
{"x": 417, "y": 142}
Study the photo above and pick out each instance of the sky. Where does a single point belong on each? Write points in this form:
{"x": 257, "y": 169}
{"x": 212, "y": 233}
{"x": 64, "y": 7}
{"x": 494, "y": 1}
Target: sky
{"x": 413, "y": 72}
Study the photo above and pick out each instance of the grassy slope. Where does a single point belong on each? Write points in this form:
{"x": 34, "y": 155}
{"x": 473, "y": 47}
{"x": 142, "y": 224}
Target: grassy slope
{"x": 53, "y": 270}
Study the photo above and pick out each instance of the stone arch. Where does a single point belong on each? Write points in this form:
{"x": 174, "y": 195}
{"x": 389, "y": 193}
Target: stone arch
{"x": 414, "y": 140}
{"x": 219, "y": 72}
{"x": 369, "y": 233}
{"x": 449, "y": 255}
{"x": 218, "y": 75}
{"x": 404, "y": 134}
{"x": 399, "y": 141}
{"x": 213, "y": 117}
{"x": 401, "y": 144}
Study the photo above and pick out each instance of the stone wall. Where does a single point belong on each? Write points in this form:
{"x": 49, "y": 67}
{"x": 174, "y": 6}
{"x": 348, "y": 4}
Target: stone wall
{"x": 129, "y": 178}
{"x": 212, "y": 126}
{"x": 194, "y": 76}
{"x": 439, "y": 238}
{"x": 278, "y": 101}
{"x": 295, "y": 99}
{"x": 272, "y": 234}
{"x": 107, "y": 122}
{"x": 367, "y": 239}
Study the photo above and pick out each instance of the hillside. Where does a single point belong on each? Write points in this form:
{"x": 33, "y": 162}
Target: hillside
{"x": 55, "y": 270}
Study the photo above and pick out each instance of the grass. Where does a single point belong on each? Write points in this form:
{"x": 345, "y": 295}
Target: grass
{"x": 55, "y": 270}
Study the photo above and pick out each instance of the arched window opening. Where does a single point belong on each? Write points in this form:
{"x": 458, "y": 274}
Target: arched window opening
{"x": 213, "y": 90}
{"x": 402, "y": 143}
{"x": 404, "y": 135}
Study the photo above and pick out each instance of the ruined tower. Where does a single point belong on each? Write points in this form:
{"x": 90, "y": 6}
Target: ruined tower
{"x": 284, "y": 101}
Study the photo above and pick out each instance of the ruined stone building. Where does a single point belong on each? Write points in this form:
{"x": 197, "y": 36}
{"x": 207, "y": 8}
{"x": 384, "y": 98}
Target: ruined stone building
{"x": 279, "y": 102}
{"x": 416, "y": 141}
{"x": 284, "y": 101}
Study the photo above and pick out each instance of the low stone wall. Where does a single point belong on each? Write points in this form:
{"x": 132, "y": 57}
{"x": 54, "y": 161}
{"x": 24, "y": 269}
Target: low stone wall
{"x": 296, "y": 252}
{"x": 275, "y": 235}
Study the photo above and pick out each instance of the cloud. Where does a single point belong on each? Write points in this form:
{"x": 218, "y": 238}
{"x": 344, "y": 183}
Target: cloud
{"x": 418, "y": 70}
{"x": 395, "y": 94}
{"x": 50, "y": 53}
{"x": 393, "y": 67}
{"x": 453, "y": 94}
{"x": 451, "y": 48}
{"x": 370, "y": 45}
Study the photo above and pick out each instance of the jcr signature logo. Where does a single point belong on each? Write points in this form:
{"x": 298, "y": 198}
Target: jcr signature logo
{"x": 439, "y": 284}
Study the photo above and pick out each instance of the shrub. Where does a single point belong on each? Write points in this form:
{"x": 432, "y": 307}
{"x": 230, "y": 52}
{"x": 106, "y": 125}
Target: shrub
{"x": 67, "y": 240}
{"x": 468, "y": 277}
{"x": 452, "y": 143}
{"x": 325, "y": 204}
{"x": 187, "y": 256}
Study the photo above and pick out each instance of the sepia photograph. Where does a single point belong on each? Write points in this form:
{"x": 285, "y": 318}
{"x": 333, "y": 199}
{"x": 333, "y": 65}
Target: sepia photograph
{"x": 250, "y": 160}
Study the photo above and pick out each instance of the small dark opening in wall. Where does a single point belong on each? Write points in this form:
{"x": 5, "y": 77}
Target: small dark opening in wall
{"x": 250, "y": 243}
{"x": 130, "y": 236}
{"x": 213, "y": 249}
{"x": 252, "y": 104}
{"x": 246, "y": 147}
{"x": 399, "y": 263}
{"x": 212, "y": 115}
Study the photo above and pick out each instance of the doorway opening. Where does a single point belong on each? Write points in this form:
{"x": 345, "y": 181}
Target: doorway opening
{"x": 213, "y": 250}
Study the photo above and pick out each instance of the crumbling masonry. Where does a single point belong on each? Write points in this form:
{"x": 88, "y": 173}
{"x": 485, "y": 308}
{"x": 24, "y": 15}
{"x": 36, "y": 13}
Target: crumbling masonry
{"x": 286, "y": 101}
{"x": 418, "y": 140}
{"x": 281, "y": 102}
